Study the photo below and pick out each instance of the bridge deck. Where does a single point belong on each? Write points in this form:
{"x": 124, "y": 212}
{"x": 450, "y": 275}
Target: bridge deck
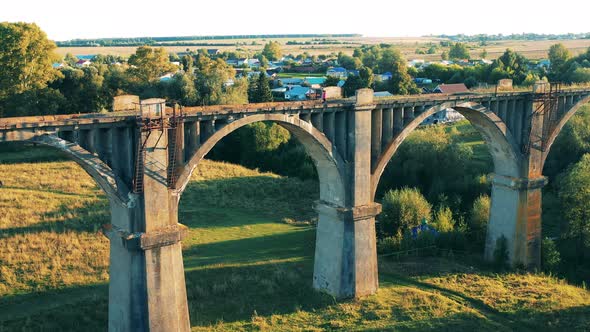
{"x": 216, "y": 110}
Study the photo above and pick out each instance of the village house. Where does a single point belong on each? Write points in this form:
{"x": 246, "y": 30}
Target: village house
{"x": 416, "y": 63}
{"x": 83, "y": 63}
{"x": 213, "y": 51}
{"x": 297, "y": 92}
{"x": 166, "y": 77}
{"x": 382, "y": 94}
{"x": 451, "y": 88}
{"x": 293, "y": 92}
{"x": 383, "y": 77}
{"x": 339, "y": 72}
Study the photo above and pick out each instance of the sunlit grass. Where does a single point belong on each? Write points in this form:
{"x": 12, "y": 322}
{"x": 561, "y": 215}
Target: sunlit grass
{"x": 249, "y": 263}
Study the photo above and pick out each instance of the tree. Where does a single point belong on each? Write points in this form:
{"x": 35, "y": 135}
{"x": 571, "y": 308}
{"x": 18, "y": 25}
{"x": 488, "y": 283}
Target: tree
{"x": 26, "y": 58}
{"x": 182, "y": 89}
{"x": 354, "y": 82}
{"x": 453, "y": 176}
{"x": 253, "y": 90}
{"x": 571, "y": 144}
{"x": 459, "y": 51}
{"x": 70, "y": 59}
{"x": 484, "y": 53}
{"x": 444, "y": 55}
{"x": 366, "y": 75}
{"x": 349, "y": 62}
{"x": 510, "y": 65}
{"x": 470, "y": 82}
{"x": 579, "y": 75}
{"x": 82, "y": 89}
{"x": 187, "y": 63}
{"x": 263, "y": 89}
{"x": 272, "y": 51}
{"x": 216, "y": 83}
{"x": 402, "y": 209}
{"x": 149, "y": 63}
{"x": 478, "y": 218}
{"x": 401, "y": 82}
{"x": 558, "y": 57}
{"x": 331, "y": 81}
{"x": 574, "y": 196}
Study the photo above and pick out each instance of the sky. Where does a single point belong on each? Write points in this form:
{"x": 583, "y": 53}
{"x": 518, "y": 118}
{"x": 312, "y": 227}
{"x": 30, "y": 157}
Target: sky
{"x": 68, "y": 19}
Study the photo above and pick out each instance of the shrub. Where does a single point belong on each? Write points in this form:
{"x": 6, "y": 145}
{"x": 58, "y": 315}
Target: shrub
{"x": 550, "y": 257}
{"x": 574, "y": 196}
{"x": 402, "y": 209}
{"x": 389, "y": 244}
{"x": 443, "y": 219}
{"x": 478, "y": 219}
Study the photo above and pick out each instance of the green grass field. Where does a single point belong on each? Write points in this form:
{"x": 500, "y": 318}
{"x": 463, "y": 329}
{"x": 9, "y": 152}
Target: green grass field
{"x": 248, "y": 260}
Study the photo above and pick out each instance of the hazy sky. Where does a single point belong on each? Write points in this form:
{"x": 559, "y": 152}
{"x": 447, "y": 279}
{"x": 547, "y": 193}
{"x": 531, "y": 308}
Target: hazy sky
{"x": 67, "y": 19}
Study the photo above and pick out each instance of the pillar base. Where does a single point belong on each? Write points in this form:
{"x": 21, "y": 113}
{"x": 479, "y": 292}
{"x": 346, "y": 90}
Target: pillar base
{"x": 345, "y": 263}
{"x": 516, "y": 215}
{"x": 147, "y": 289}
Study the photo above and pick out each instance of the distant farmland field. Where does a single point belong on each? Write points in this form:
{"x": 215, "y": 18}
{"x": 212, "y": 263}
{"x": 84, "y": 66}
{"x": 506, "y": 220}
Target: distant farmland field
{"x": 408, "y": 46}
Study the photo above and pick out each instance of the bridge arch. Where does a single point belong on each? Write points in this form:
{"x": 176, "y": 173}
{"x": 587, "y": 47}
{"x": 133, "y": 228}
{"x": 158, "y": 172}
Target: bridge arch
{"x": 328, "y": 162}
{"x": 564, "y": 119}
{"x": 98, "y": 170}
{"x": 501, "y": 143}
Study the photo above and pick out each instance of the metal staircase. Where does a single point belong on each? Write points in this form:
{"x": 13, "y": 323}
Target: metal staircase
{"x": 548, "y": 109}
{"x": 147, "y": 123}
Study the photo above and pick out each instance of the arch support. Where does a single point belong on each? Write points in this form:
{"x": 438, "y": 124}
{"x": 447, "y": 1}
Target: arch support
{"x": 346, "y": 251}
{"x": 516, "y": 186}
{"x": 345, "y": 262}
{"x": 147, "y": 291}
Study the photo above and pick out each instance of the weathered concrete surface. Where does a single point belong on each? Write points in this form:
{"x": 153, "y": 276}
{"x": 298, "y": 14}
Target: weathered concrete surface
{"x": 346, "y": 255}
{"x": 350, "y": 142}
{"x": 147, "y": 289}
{"x": 516, "y": 215}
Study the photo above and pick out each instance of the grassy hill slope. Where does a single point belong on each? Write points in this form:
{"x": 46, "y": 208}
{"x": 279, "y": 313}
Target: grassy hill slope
{"x": 248, "y": 260}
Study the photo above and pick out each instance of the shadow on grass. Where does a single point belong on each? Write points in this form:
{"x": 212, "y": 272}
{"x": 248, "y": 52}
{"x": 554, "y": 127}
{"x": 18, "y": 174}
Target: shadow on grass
{"x": 298, "y": 244}
{"x": 83, "y": 308}
{"x": 232, "y": 294}
{"x": 263, "y": 195}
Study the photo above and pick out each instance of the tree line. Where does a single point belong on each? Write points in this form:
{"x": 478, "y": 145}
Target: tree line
{"x": 161, "y": 40}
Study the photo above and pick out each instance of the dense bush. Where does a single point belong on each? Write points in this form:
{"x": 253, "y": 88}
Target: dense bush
{"x": 574, "y": 194}
{"x": 402, "y": 209}
{"x": 478, "y": 220}
{"x": 447, "y": 171}
{"x": 443, "y": 219}
{"x": 550, "y": 257}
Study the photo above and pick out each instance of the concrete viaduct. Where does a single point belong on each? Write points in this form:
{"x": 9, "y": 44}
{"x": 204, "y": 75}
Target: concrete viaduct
{"x": 144, "y": 163}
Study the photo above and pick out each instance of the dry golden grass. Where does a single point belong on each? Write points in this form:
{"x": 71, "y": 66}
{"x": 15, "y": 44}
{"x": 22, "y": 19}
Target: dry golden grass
{"x": 49, "y": 217}
{"x": 246, "y": 270}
